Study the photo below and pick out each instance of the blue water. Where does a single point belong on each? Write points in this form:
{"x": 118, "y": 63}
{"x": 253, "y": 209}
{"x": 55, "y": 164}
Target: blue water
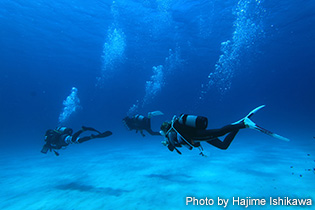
{"x": 218, "y": 59}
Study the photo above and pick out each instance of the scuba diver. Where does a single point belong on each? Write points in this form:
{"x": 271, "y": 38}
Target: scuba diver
{"x": 62, "y": 136}
{"x": 190, "y": 130}
{"x": 139, "y": 122}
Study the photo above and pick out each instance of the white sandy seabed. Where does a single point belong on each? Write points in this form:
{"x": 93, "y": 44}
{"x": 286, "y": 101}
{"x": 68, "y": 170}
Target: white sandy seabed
{"x": 148, "y": 176}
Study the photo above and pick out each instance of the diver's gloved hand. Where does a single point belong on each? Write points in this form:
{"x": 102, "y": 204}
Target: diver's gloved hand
{"x": 203, "y": 154}
{"x": 164, "y": 143}
{"x": 142, "y": 134}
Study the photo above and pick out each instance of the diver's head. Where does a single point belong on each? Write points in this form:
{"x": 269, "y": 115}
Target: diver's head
{"x": 165, "y": 127}
{"x": 49, "y": 138}
{"x": 50, "y": 135}
{"x": 127, "y": 122}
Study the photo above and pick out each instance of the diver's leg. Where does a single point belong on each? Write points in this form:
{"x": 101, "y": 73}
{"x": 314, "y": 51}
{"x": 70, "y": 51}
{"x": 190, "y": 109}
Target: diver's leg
{"x": 147, "y": 127}
{"x": 213, "y": 133}
{"x": 153, "y": 133}
{"x": 87, "y": 138}
{"x": 225, "y": 143}
{"x": 83, "y": 139}
{"x": 76, "y": 135}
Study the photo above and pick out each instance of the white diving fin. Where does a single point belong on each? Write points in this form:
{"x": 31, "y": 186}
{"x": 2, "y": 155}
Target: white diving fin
{"x": 250, "y": 124}
{"x": 250, "y": 114}
{"x": 155, "y": 113}
{"x": 270, "y": 133}
{"x": 254, "y": 111}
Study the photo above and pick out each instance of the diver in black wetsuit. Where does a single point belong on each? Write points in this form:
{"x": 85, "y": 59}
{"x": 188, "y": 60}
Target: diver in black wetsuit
{"x": 62, "y": 137}
{"x": 190, "y": 130}
{"x": 139, "y": 122}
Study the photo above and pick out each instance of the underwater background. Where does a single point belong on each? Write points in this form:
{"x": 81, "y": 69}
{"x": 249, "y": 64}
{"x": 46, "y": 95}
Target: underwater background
{"x": 92, "y": 63}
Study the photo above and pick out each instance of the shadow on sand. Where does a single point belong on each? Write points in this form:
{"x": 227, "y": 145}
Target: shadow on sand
{"x": 89, "y": 188}
{"x": 179, "y": 178}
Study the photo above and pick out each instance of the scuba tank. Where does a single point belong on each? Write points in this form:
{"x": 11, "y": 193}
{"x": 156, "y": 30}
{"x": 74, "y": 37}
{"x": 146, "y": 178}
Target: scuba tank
{"x": 64, "y": 130}
{"x": 139, "y": 117}
{"x": 65, "y": 134}
{"x": 193, "y": 121}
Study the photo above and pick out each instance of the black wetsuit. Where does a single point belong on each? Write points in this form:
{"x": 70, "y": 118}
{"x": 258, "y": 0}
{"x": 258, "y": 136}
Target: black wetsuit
{"x": 210, "y": 135}
{"x": 139, "y": 123}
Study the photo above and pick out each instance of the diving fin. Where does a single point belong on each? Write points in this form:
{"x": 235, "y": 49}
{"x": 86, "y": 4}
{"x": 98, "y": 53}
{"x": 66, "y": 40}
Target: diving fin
{"x": 84, "y": 128}
{"x": 250, "y": 114}
{"x": 265, "y": 131}
{"x": 155, "y": 113}
{"x": 105, "y": 134}
{"x": 250, "y": 124}
{"x": 254, "y": 111}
